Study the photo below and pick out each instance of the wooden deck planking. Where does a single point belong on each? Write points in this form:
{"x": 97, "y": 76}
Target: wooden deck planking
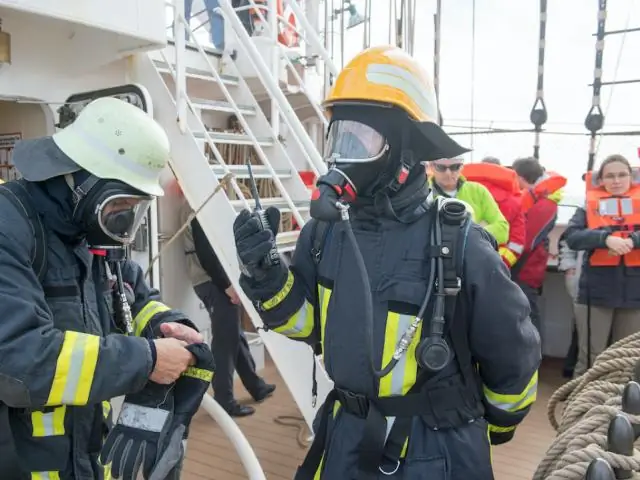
{"x": 210, "y": 455}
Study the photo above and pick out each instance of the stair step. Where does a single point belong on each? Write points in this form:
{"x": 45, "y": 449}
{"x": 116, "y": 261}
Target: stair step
{"x": 234, "y": 138}
{"x": 221, "y": 106}
{"x": 195, "y": 73}
{"x": 259, "y": 171}
{"x": 278, "y": 202}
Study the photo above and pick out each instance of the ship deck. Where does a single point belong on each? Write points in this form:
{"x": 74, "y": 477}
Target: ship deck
{"x": 210, "y": 455}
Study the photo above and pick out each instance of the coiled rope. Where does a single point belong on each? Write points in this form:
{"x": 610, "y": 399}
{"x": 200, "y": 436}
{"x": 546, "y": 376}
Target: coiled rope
{"x": 591, "y": 401}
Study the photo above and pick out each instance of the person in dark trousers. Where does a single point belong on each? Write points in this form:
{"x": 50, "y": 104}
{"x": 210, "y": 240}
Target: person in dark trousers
{"x": 213, "y": 287}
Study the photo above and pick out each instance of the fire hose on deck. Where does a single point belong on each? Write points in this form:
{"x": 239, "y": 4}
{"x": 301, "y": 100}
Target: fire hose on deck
{"x": 600, "y": 420}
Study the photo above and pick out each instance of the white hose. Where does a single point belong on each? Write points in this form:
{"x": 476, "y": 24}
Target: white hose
{"x": 235, "y": 435}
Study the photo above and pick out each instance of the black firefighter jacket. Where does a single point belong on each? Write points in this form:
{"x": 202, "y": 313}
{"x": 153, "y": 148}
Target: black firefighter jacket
{"x": 62, "y": 357}
{"x": 504, "y": 344}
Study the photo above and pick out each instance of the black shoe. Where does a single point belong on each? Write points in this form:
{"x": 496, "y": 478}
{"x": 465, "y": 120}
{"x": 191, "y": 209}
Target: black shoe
{"x": 264, "y": 392}
{"x": 238, "y": 410}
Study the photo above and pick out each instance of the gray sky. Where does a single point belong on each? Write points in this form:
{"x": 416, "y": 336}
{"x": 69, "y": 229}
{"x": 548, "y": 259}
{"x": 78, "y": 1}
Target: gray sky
{"x": 506, "y": 42}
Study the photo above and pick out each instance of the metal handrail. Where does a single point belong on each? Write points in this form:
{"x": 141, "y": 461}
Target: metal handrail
{"x": 307, "y": 146}
{"x": 208, "y": 139}
{"x": 243, "y": 122}
{"x": 281, "y": 47}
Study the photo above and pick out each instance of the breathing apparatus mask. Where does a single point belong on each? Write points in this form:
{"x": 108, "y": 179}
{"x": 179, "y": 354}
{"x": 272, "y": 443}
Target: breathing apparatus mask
{"x": 363, "y": 147}
{"x": 363, "y": 161}
{"x": 109, "y": 211}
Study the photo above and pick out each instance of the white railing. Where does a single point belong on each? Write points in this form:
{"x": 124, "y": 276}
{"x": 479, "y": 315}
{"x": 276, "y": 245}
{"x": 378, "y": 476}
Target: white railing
{"x": 235, "y": 436}
{"x": 181, "y": 97}
{"x": 307, "y": 147}
{"x": 282, "y": 49}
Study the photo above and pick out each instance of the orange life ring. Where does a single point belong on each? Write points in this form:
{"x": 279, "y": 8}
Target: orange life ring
{"x": 287, "y": 32}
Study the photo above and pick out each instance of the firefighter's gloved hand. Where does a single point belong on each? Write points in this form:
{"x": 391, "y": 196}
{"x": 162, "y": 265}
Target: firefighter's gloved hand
{"x": 187, "y": 394}
{"x": 132, "y": 446}
{"x": 500, "y": 435}
{"x": 253, "y": 242}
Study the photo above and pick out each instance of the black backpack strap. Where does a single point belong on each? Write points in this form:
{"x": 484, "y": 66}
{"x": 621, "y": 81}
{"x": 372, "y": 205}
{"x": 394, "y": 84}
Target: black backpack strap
{"x": 18, "y": 195}
{"x": 319, "y": 232}
{"x": 452, "y": 252}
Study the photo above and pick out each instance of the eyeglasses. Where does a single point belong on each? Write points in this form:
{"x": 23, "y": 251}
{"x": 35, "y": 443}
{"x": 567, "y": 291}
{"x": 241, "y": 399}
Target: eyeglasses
{"x": 454, "y": 167}
{"x": 613, "y": 176}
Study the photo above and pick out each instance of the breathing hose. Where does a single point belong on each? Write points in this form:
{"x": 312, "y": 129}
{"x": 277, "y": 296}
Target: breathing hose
{"x": 409, "y": 334}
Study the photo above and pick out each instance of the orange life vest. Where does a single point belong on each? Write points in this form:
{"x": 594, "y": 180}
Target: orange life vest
{"x": 620, "y": 213}
{"x": 500, "y": 176}
{"x": 552, "y": 183}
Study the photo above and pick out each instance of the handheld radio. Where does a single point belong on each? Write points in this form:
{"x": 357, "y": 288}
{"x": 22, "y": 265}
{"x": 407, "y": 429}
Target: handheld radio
{"x": 273, "y": 257}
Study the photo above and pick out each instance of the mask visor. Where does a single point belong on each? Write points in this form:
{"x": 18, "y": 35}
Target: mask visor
{"x": 120, "y": 216}
{"x": 349, "y": 141}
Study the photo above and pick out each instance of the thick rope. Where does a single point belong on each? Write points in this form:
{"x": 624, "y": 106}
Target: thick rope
{"x": 591, "y": 401}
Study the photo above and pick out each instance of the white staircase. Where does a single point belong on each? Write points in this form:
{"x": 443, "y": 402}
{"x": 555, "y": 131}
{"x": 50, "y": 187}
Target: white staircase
{"x": 193, "y": 90}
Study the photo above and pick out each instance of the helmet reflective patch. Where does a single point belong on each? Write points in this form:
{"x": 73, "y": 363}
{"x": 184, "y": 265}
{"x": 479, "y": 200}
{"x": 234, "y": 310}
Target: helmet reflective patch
{"x": 400, "y": 79}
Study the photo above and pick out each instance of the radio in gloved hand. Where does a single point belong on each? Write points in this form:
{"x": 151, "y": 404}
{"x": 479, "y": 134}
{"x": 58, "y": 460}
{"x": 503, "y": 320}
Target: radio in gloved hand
{"x": 272, "y": 257}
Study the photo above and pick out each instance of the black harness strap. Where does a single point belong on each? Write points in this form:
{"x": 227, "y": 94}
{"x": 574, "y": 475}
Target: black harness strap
{"x": 319, "y": 233}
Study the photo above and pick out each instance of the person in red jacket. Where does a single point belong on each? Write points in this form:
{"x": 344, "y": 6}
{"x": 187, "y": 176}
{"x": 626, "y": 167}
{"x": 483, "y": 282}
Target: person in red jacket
{"x": 503, "y": 185}
{"x": 541, "y": 195}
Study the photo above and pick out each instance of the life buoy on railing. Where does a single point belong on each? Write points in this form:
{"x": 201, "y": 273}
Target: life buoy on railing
{"x": 287, "y": 22}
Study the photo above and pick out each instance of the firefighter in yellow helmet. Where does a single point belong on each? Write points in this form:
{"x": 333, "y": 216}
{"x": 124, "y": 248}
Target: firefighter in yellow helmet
{"x": 426, "y": 338}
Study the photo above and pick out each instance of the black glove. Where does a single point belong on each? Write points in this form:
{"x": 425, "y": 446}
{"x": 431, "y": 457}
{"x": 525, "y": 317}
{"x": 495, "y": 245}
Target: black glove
{"x": 187, "y": 394}
{"x": 252, "y": 241}
{"x": 142, "y": 426}
{"x": 501, "y": 435}
{"x": 258, "y": 280}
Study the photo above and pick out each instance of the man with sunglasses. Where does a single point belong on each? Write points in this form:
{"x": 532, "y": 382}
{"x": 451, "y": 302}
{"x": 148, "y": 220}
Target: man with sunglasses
{"x": 446, "y": 180}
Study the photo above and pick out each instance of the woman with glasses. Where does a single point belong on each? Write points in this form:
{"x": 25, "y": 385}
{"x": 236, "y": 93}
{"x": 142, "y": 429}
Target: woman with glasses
{"x": 608, "y": 302}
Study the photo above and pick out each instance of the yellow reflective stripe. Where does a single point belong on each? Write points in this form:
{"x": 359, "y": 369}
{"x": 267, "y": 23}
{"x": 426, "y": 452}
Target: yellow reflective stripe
{"x": 497, "y": 429}
{"x": 45, "y": 475}
{"x": 336, "y": 408}
{"x": 325, "y": 296}
{"x": 300, "y": 324}
{"x": 106, "y": 408}
{"x": 146, "y": 314}
{"x": 319, "y": 470}
{"x": 281, "y": 295}
{"x": 404, "y": 448}
{"x": 107, "y": 472}
{"x": 48, "y": 424}
{"x": 74, "y": 369}
{"x": 199, "y": 373}
{"x": 508, "y": 255}
{"x": 403, "y": 376}
{"x": 513, "y": 403}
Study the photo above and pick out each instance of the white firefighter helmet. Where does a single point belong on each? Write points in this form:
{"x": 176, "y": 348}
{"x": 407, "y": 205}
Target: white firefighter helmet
{"x": 115, "y": 140}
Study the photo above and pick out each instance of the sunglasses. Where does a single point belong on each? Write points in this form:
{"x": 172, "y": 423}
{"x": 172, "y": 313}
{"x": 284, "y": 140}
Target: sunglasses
{"x": 455, "y": 167}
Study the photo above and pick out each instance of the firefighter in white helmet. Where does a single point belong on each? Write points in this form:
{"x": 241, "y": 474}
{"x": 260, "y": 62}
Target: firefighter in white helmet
{"x": 78, "y": 327}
